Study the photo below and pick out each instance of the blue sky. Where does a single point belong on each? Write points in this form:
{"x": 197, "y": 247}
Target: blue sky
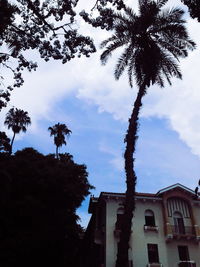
{"x": 84, "y": 95}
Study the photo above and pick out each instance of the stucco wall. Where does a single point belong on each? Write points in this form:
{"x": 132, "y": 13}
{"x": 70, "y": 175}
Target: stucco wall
{"x": 168, "y": 251}
{"x": 111, "y": 243}
{"x": 172, "y": 251}
{"x": 140, "y": 238}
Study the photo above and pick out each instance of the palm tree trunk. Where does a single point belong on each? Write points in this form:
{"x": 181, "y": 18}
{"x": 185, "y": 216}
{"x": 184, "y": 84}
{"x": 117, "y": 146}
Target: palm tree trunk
{"x": 11, "y": 144}
{"x": 129, "y": 205}
{"x": 57, "y": 152}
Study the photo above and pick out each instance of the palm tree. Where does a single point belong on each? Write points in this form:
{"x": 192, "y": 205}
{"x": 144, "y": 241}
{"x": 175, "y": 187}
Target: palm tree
{"x": 153, "y": 42}
{"x": 17, "y": 120}
{"x": 59, "y": 131}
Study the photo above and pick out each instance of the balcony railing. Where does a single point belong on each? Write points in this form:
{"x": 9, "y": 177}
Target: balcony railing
{"x": 150, "y": 228}
{"x": 186, "y": 264}
{"x": 154, "y": 265}
{"x": 183, "y": 231}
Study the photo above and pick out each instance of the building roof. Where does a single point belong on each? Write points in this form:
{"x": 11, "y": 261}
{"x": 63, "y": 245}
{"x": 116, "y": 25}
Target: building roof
{"x": 176, "y": 186}
{"x": 151, "y": 196}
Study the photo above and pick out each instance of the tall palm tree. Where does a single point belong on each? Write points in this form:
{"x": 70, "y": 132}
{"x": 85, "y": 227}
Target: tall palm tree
{"x": 59, "y": 131}
{"x": 153, "y": 42}
{"x": 17, "y": 120}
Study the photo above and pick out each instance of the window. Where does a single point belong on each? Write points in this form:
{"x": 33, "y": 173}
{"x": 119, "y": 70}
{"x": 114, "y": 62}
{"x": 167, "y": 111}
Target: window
{"x": 149, "y": 218}
{"x": 175, "y": 204}
{"x": 120, "y": 213}
{"x": 178, "y": 223}
{"x": 183, "y": 253}
{"x": 153, "y": 253}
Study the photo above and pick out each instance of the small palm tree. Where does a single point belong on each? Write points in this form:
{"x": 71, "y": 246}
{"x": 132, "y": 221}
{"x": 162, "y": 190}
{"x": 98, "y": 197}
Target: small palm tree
{"x": 59, "y": 131}
{"x": 17, "y": 120}
{"x": 153, "y": 41}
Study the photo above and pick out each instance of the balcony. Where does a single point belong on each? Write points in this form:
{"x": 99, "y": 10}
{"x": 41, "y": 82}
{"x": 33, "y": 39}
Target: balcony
{"x": 183, "y": 232}
{"x": 186, "y": 264}
{"x": 154, "y": 265}
{"x": 150, "y": 228}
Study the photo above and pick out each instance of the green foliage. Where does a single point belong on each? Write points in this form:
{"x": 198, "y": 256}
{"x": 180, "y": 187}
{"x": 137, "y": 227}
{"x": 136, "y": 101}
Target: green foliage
{"x": 39, "y": 196}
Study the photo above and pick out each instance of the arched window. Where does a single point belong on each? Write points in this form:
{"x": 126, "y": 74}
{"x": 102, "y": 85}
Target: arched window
{"x": 178, "y": 204}
{"x": 178, "y": 223}
{"x": 149, "y": 218}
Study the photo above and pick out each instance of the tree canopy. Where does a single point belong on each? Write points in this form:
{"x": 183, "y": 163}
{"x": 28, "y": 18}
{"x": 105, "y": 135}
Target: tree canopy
{"x": 104, "y": 20}
{"x": 49, "y": 28}
{"x": 194, "y": 8}
{"x": 46, "y": 26}
{"x": 4, "y": 142}
{"x": 39, "y": 196}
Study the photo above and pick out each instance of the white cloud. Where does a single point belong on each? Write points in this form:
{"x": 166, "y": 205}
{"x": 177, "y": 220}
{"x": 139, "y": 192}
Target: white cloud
{"x": 178, "y": 103}
{"x": 86, "y": 79}
{"x": 117, "y": 160}
{"x": 93, "y": 83}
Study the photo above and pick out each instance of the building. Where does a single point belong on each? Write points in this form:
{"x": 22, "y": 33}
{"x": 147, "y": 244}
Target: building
{"x": 165, "y": 229}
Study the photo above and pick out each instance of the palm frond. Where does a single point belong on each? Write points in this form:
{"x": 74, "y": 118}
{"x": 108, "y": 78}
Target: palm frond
{"x": 130, "y": 14}
{"x": 160, "y": 79}
{"x": 109, "y": 49}
{"x": 172, "y": 48}
{"x": 105, "y": 42}
{"x": 173, "y": 15}
{"x": 158, "y": 39}
{"x": 131, "y": 69}
{"x": 169, "y": 67}
{"x": 122, "y": 62}
{"x": 161, "y": 3}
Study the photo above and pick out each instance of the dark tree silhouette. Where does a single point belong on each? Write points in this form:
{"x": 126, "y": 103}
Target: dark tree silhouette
{"x": 194, "y": 8}
{"x": 59, "y": 131}
{"x": 39, "y": 196}
{"x": 17, "y": 120}
{"x": 153, "y": 41}
{"x": 4, "y": 142}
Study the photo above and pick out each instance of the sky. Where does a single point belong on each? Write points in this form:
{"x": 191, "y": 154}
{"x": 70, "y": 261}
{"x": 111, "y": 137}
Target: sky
{"x": 84, "y": 95}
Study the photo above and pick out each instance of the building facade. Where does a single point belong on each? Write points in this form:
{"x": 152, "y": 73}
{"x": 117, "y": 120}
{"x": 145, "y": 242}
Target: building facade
{"x": 165, "y": 229}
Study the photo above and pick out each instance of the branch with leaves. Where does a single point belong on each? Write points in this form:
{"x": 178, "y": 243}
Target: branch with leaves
{"x": 46, "y": 26}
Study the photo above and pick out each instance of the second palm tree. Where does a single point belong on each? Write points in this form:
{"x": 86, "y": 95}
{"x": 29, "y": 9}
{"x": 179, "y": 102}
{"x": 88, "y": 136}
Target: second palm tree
{"x": 59, "y": 131}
